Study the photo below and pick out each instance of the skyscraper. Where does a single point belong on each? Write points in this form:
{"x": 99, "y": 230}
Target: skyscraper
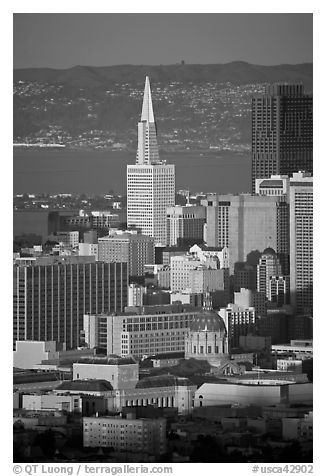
{"x": 282, "y": 132}
{"x": 301, "y": 242}
{"x": 150, "y": 182}
{"x": 246, "y": 223}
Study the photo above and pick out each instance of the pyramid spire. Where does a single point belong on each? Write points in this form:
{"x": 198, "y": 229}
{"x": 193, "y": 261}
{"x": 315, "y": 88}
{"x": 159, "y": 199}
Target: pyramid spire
{"x": 147, "y": 150}
{"x": 147, "y": 113}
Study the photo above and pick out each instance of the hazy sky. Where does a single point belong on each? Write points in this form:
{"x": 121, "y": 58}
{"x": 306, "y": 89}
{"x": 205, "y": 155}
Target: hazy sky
{"x": 63, "y": 40}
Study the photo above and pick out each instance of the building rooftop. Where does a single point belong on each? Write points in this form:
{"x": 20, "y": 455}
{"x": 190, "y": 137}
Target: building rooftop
{"x": 169, "y": 355}
{"x": 163, "y": 381}
{"x": 109, "y": 360}
{"x": 271, "y": 183}
{"x": 91, "y": 385}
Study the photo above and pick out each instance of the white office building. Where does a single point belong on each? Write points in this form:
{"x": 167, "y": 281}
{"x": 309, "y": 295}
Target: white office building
{"x": 150, "y": 182}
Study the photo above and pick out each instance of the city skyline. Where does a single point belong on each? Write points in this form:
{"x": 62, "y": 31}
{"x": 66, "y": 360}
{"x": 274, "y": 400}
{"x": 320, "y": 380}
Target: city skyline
{"x": 168, "y": 324}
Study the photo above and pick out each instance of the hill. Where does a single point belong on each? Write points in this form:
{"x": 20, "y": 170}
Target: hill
{"x": 237, "y": 72}
{"x": 196, "y": 106}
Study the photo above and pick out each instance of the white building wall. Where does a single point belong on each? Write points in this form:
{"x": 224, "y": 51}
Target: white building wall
{"x": 88, "y": 249}
{"x": 150, "y": 190}
{"x": 220, "y": 394}
{"x": 120, "y": 376}
{"x": 31, "y": 353}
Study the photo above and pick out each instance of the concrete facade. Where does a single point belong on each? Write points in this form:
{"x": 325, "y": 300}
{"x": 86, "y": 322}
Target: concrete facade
{"x": 161, "y": 329}
{"x": 301, "y": 242}
{"x": 126, "y": 434}
{"x": 257, "y": 393}
{"x": 134, "y": 249}
{"x": 121, "y": 376}
{"x": 246, "y": 223}
{"x": 185, "y": 224}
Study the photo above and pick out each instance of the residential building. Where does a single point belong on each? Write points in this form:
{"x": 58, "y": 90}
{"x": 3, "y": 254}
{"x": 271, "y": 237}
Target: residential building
{"x": 150, "y": 182}
{"x": 282, "y": 131}
{"x": 126, "y": 435}
{"x": 301, "y": 242}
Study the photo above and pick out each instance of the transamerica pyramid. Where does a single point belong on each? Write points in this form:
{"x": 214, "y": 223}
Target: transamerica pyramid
{"x": 147, "y": 151}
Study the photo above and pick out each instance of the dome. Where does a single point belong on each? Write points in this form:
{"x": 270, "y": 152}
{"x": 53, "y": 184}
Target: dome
{"x": 208, "y": 321}
{"x": 269, "y": 251}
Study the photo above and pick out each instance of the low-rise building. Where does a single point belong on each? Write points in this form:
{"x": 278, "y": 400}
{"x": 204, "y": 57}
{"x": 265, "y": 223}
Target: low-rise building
{"x": 122, "y": 373}
{"x": 45, "y": 355}
{"x": 301, "y": 349}
{"x": 141, "y": 331}
{"x": 254, "y": 392}
{"x": 129, "y": 434}
{"x": 162, "y": 391}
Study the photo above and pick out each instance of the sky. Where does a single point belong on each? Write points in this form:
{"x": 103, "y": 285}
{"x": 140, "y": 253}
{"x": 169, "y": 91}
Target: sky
{"x": 63, "y": 40}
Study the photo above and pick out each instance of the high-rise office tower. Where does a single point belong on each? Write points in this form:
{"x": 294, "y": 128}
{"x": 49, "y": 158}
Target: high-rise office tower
{"x": 282, "y": 132}
{"x": 301, "y": 242}
{"x": 51, "y": 297}
{"x": 150, "y": 182}
{"x": 185, "y": 225}
{"x": 246, "y": 223}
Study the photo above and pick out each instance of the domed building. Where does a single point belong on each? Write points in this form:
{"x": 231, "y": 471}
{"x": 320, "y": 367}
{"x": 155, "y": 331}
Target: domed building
{"x": 207, "y": 337}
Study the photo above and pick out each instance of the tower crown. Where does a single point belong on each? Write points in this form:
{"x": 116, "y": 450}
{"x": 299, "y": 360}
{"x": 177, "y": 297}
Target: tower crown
{"x": 147, "y": 113}
{"x": 147, "y": 151}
